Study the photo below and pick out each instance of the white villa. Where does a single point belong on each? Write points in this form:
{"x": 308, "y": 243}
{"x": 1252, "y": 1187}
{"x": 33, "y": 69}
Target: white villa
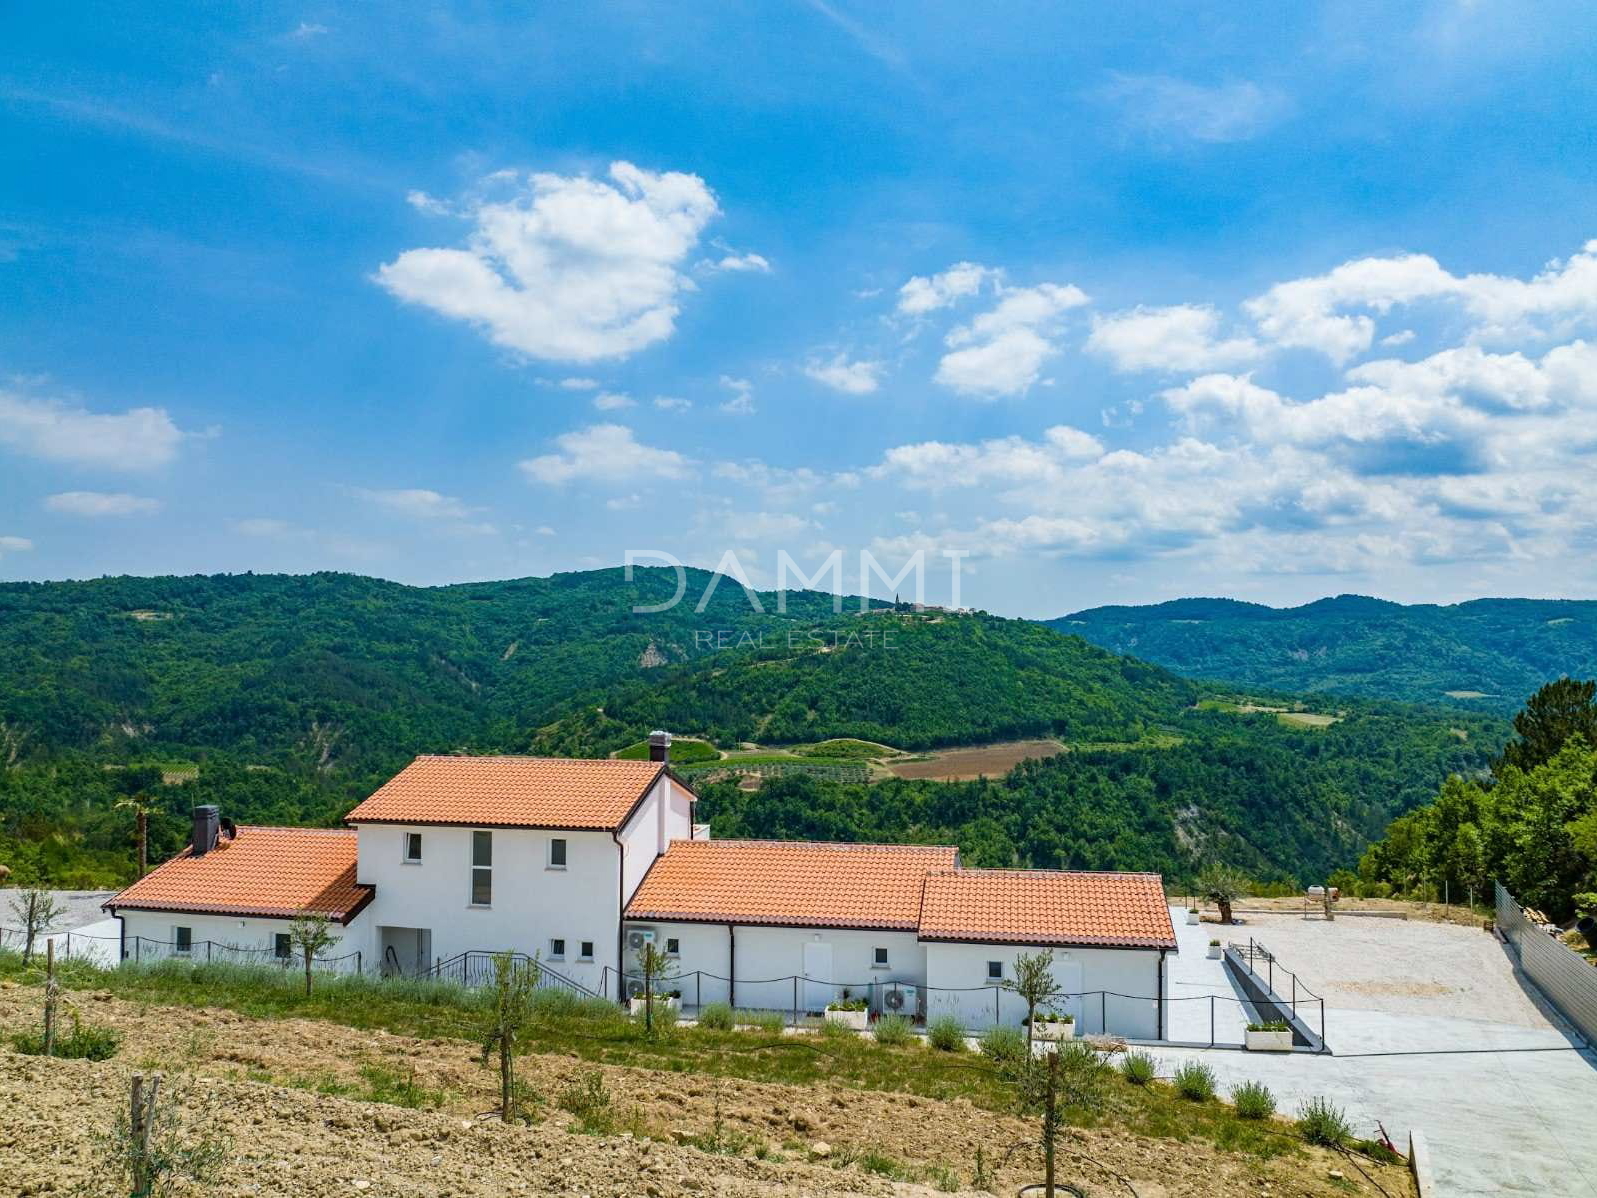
{"x": 582, "y": 862}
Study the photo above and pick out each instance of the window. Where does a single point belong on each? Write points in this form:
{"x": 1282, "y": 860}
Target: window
{"x": 587, "y": 951}
{"x": 482, "y": 873}
{"x": 183, "y": 940}
{"x": 673, "y": 946}
{"x": 557, "y": 950}
{"x": 413, "y": 847}
{"x": 557, "y": 853}
{"x": 282, "y": 946}
{"x": 878, "y": 958}
{"x": 995, "y": 971}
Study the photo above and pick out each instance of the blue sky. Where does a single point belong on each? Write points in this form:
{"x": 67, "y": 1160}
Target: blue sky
{"x": 1123, "y": 305}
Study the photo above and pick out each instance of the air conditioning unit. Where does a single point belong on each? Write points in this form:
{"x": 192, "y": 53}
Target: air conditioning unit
{"x": 636, "y": 988}
{"x": 899, "y": 999}
{"x": 639, "y": 938}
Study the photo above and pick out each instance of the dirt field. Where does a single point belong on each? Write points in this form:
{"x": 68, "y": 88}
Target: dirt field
{"x": 257, "y": 1082}
{"x": 990, "y": 761}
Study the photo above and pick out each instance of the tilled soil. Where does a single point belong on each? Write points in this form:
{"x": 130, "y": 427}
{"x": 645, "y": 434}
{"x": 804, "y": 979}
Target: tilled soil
{"x": 257, "y": 1080}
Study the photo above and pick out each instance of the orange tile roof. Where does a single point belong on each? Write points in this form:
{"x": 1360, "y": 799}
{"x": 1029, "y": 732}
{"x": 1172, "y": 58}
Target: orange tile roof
{"x": 512, "y": 792}
{"x": 790, "y": 883}
{"x": 279, "y": 872}
{"x": 1035, "y": 906}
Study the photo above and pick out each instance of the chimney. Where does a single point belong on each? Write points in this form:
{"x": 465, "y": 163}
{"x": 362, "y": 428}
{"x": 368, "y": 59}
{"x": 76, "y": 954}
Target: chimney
{"x": 659, "y": 746}
{"x": 207, "y": 821}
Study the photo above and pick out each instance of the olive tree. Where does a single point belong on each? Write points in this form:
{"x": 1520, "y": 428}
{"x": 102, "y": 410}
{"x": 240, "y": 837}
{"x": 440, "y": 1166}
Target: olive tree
{"x": 1222, "y": 886}
{"x": 510, "y": 1009}
{"x": 1035, "y": 984}
{"x": 37, "y": 910}
{"x": 312, "y": 936}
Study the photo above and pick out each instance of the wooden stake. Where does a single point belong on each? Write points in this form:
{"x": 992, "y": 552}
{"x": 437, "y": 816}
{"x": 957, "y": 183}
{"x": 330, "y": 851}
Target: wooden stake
{"x": 49, "y": 998}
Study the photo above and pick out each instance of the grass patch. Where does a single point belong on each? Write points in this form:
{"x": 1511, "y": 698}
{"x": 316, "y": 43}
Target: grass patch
{"x": 599, "y": 1033}
{"x": 80, "y": 1044}
{"x": 946, "y": 1035}
{"x": 892, "y": 1030}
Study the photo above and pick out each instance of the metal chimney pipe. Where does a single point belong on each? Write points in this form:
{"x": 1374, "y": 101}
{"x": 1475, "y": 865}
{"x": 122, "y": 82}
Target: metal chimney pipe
{"x": 659, "y": 746}
{"x": 207, "y": 823}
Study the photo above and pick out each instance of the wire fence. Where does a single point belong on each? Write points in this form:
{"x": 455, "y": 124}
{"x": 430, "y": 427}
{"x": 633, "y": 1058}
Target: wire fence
{"x": 144, "y": 949}
{"x": 1283, "y": 990}
{"x": 1564, "y": 976}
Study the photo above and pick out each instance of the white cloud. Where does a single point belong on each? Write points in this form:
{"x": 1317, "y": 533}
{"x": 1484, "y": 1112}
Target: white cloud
{"x": 1003, "y": 462}
{"x": 604, "y": 453}
{"x": 263, "y": 526}
{"x": 1183, "y": 337}
{"x": 418, "y": 503}
{"x": 612, "y": 401}
{"x": 1330, "y": 312}
{"x": 568, "y": 268}
{"x": 624, "y": 503}
{"x": 742, "y": 401}
{"x": 738, "y": 264}
{"x": 101, "y": 503}
{"x": 578, "y": 384}
{"x": 59, "y": 431}
{"x": 851, "y": 378}
{"x": 307, "y": 30}
{"x": 1166, "y": 107}
{"x": 924, "y": 294}
{"x": 1002, "y": 352}
{"x": 670, "y": 403}
{"x": 14, "y": 545}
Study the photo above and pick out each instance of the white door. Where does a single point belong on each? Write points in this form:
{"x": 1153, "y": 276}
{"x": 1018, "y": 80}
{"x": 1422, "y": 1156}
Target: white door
{"x": 817, "y": 976}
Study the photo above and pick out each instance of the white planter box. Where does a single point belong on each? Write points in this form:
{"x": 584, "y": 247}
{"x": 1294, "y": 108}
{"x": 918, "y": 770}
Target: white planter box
{"x": 1269, "y": 1041}
{"x": 636, "y": 1005}
{"x": 1053, "y": 1030}
{"x": 1214, "y": 952}
{"x": 1193, "y": 918}
{"x": 858, "y": 1020}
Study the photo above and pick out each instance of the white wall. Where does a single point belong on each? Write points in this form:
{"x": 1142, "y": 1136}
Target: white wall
{"x": 764, "y": 954}
{"x": 665, "y": 815}
{"x": 532, "y": 902}
{"x": 224, "y": 931}
{"x": 957, "y": 974}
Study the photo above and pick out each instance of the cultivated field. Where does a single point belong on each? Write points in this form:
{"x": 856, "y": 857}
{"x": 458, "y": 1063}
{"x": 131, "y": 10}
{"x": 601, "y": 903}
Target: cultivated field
{"x": 980, "y": 761}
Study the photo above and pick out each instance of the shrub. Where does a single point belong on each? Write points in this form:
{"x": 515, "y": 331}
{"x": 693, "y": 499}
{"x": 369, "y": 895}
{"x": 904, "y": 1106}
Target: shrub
{"x": 946, "y": 1035}
{"x": 1270, "y": 1025}
{"x": 1323, "y": 1123}
{"x": 716, "y": 1016}
{"x": 833, "y": 1030}
{"x": 1253, "y": 1100}
{"x": 892, "y": 1029}
{"x": 81, "y": 1043}
{"x": 589, "y": 1101}
{"x": 1195, "y": 1081}
{"x": 771, "y": 1022}
{"x": 1138, "y": 1068}
{"x": 848, "y": 1004}
{"x": 1003, "y": 1045}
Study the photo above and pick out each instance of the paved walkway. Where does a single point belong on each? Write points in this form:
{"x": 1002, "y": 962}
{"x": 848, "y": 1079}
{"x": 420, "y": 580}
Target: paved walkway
{"x": 1205, "y": 1005}
{"x": 1430, "y": 1027}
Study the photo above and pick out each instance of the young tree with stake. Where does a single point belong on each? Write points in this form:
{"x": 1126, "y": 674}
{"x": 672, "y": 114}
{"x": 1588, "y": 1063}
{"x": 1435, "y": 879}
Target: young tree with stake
{"x": 1034, "y": 983}
{"x": 312, "y": 936}
{"x": 657, "y": 967}
{"x": 508, "y": 1013}
{"x": 37, "y": 911}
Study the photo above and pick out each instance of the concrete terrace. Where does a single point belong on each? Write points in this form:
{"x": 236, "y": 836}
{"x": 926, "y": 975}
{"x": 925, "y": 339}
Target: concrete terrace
{"x": 1430, "y": 1027}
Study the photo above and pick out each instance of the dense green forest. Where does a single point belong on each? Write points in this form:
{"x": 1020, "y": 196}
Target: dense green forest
{"x": 287, "y": 699}
{"x": 1485, "y": 655}
{"x": 1532, "y": 823}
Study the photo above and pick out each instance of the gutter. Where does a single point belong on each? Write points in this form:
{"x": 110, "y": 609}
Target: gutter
{"x": 731, "y": 965}
{"x": 621, "y": 913}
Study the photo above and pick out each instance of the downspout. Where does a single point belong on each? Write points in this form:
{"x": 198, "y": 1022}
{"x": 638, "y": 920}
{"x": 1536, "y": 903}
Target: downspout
{"x": 121, "y": 934}
{"x": 621, "y": 907}
{"x": 731, "y": 966}
{"x": 1160, "y": 1029}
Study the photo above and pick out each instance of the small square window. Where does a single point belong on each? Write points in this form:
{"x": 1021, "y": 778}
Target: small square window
{"x": 413, "y": 846}
{"x": 557, "y": 950}
{"x": 282, "y": 946}
{"x": 587, "y": 950}
{"x": 557, "y": 853}
{"x": 673, "y": 946}
{"x": 183, "y": 940}
{"x": 879, "y": 958}
{"x": 995, "y": 971}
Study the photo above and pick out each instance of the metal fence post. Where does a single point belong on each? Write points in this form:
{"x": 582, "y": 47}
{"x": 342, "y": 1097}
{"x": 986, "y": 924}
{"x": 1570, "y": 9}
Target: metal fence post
{"x": 795, "y": 1000}
{"x": 1211, "y": 1021}
{"x": 1103, "y": 1012}
{"x": 995, "y": 1006}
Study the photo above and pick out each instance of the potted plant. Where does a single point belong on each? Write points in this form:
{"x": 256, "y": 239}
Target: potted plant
{"x": 671, "y": 1001}
{"x": 1275, "y": 1035}
{"x": 1214, "y": 950}
{"x": 850, "y": 1012}
{"x": 1192, "y": 916}
{"x": 1051, "y": 1025}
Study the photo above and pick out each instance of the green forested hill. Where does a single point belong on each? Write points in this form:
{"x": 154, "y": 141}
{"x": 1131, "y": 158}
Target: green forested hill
{"x": 289, "y": 698}
{"x": 1488, "y": 654}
